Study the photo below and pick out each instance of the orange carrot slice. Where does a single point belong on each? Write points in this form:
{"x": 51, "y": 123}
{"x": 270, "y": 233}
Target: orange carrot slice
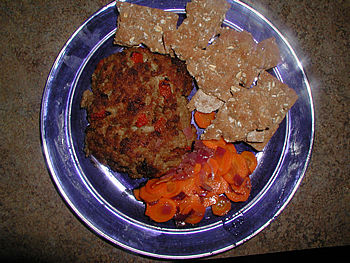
{"x": 156, "y": 188}
{"x": 213, "y": 144}
{"x": 236, "y": 197}
{"x": 186, "y": 202}
{"x": 148, "y": 197}
{"x": 251, "y": 160}
{"x": 239, "y": 164}
{"x": 217, "y": 182}
{"x": 239, "y": 193}
{"x": 213, "y": 165}
{"x": 210, "y": 199}
{"x": 190, "y": 187}
{"x": 221, "y": 207}
{"x": 194, "y": 209}
{"x": 230, "y": 147}
{"x": 230, "y": 176}
{"x": 225, "y": 162}
{"x": 162, "y": 211}
{"x": 213, "y": 182}
{"x": 137, "y": 194}
{"x": 203, "y": 120}
{"x": 243, "y": 186}
{"x": 197, "y": 167}
{"x": 173, "y": 188}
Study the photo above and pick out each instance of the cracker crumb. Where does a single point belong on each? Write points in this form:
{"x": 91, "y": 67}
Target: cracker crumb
{"x": 204, "y": 103}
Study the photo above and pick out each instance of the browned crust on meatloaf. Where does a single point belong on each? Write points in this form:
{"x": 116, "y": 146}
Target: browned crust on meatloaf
{"x": 122, "y": 91}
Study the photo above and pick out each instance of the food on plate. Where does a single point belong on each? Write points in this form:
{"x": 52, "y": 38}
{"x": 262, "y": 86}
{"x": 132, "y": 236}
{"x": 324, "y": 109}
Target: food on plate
{"x": 228, "y": 66}
{"x": 138, "y": 120}
{"x": 213, "y": 175}
{"x": 253, "y": 113}
{"x": 139, "y": 24}
{"x": 224, "y": 66}
{"x": 204, "y": 103}
{"x": 203, "y": 21}
{"x": 231, "y": 63}
{"x": 203, "y": 120}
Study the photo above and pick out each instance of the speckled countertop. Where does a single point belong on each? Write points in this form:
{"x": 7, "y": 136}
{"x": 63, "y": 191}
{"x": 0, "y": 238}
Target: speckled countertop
{"x": 36, "y": 224}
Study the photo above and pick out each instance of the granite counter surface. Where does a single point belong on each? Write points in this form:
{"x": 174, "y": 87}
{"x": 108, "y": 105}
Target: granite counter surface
{"x": 36, "y": 224}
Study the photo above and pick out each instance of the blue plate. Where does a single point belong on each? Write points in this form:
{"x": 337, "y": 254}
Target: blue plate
{"x": 103, "y": 199}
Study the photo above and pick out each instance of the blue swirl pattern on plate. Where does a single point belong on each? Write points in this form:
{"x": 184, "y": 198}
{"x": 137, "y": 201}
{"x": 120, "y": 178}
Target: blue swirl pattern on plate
{"x": 103, "y": 200}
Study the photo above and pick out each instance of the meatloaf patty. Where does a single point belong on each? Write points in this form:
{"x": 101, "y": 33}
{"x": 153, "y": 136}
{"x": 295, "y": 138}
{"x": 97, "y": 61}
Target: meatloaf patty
{"x": 138, "y": 121}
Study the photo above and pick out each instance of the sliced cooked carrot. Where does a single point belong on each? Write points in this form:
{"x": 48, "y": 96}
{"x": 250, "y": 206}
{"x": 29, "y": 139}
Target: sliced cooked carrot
{"x": 146, "y": 196}
{"x": 236, "y": 197}
{"x": 213, "y": 182}
{"x": 230, "y": 176}
{"x": 227, "y": 172}
{"x": 173, "y": 188}
{"x": 239, "y": 164}
{"x": 213, "y": 164}
{"x": 213, "y": 144}
{"x": 164, "y": 188}
{"x": 222, "y": 206}
{"x": 251, "y": 160}
{"x": 194, "y": 210}
{"x": 137, "y": 194}
{"x": 191, "y": 187}
{"x": 241, "y": 193}
{"x": 162, "y": 211}
{"x": 210, "y": 199}
{"x": 197, "y": 167}
{"x": 151, "y": 183}
{"x": 242, "y": 187}
{"x": 203, "y": 120}
{"x": 155, "y": 188}
{"x": 230, "y": 147}
{"x": 164, "y": 178}
{"x": 188, "y": 201}
{"x": 225, "y": 162}
{"x": 196, "y": 215}
{"x": 223, "y": 185}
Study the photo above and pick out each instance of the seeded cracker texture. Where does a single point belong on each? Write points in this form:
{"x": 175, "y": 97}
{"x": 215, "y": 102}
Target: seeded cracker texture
{"x": 253, "y": 115}
{"x": 232, "y": 62}
{"x": 143, "y": 25}
{"x": 204, "y": 103}
{"x": 125, "y": 92}
{"x": 267, "y": 54}
{"x": 203, "y": 21}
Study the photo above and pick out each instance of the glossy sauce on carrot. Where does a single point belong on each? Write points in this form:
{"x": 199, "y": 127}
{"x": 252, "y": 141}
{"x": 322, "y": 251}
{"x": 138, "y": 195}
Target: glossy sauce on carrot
{"x": 212, "y": 175}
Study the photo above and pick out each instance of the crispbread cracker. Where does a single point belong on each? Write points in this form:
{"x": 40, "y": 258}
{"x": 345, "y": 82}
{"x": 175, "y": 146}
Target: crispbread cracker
{"x": 211, "y": 73}
{"x": 268, "y": 53}
{"x": 280, "y": 97}
{"x": 265, "y": 135}
{"x": 232, "y": 62}
{"x": 225, "y": 66}
{"x": 236, "y": 118}
{"x": 143, "y": 25}
{"x": 251, "y": 111}
{"x": 203, "y": 21}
